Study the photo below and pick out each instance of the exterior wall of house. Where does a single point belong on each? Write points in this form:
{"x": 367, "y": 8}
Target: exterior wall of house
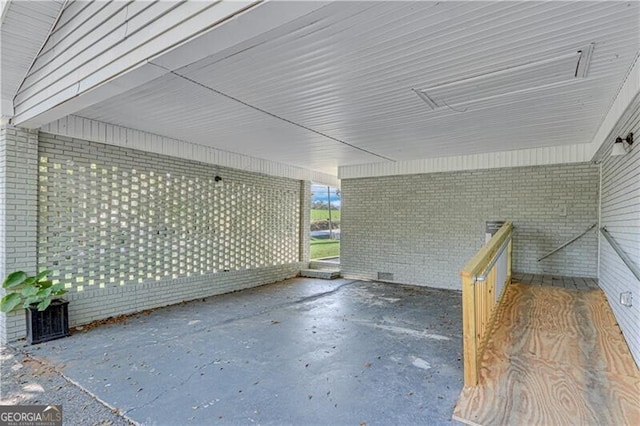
{"x": 620, "y": 214}
{"x": 127, "y": 230}
{"x": 18, "y": 214}
{"x": 422, "y": 228}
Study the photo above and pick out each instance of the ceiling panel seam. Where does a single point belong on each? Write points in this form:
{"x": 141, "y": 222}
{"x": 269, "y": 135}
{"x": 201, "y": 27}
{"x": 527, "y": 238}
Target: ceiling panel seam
{"x": 270, "y": 113}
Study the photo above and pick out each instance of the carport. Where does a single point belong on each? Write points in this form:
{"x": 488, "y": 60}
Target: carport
{"x": 154, "y": 154}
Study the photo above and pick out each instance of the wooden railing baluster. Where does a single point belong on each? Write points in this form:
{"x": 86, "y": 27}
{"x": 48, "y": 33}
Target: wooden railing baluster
{"x": 479, "y": 298}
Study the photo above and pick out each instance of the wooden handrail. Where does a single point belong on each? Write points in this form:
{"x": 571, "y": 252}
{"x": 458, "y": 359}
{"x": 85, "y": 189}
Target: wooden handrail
{"x": 479, "y": 301}
{"x": 482, "y": 258}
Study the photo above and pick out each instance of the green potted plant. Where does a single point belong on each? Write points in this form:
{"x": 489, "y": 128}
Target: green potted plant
{"x": 47, "y": 315}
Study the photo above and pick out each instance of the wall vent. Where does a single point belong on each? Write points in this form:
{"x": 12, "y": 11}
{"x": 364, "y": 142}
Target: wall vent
{"x": 385, "y": 276}
{"x": 517, "y": 79}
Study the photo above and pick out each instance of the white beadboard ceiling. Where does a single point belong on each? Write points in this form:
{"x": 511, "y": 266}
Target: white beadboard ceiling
{"x": 337, "y": 87}
{"x": 25, "y": 27}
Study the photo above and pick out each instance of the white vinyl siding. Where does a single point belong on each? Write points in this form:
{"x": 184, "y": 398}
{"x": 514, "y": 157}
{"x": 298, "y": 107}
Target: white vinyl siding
{"x": 620, "y": 214}
{"x": 96, "y": 41}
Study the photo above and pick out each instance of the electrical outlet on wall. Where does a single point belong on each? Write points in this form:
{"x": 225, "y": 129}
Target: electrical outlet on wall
{"x": 626, "y": 298}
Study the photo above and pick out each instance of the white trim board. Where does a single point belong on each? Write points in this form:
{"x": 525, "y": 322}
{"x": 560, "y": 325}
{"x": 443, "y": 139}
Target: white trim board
{"x": 577, "y": 153}
{"x": 83, "y": 128}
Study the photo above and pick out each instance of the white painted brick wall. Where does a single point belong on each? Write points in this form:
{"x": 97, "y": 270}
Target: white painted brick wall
{"x": 3, "y": 231}
{"x": 423, "y": 228}
{"x": 18, "y": 213}
{"x": 305, "y": 222}
{"x": 95, "y": 304}
{"x": 26, "y": 243}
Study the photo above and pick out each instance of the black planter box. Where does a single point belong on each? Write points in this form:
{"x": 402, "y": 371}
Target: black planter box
{"x": 50, "y": 324}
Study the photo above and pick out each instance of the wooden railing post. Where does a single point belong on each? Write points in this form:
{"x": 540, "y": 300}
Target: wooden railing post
{"x": 509, "y": 260}
{"x": 470, "y": 349}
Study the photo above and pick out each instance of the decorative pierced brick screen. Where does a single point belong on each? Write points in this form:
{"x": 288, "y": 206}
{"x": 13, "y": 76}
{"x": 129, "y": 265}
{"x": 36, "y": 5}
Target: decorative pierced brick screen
{"x": 110, "y": 216}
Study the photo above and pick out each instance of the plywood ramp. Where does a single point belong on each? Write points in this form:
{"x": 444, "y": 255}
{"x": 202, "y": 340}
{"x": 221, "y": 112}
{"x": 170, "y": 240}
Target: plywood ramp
{"x": 556, "y": 356}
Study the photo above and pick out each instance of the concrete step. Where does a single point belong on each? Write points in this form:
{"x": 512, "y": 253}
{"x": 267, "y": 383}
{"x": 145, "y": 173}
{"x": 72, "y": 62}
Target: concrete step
{"x": 325, "y": 274}
{"x": 324, "y": 264}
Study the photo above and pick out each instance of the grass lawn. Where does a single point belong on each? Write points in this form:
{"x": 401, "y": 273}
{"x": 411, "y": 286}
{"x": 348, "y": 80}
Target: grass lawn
{"x": 324, "y": 214}
{"x": 324, "y": 248}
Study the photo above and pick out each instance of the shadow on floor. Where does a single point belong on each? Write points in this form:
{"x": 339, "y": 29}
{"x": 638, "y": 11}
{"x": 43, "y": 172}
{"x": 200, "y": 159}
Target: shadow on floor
{"x": 301, "y": 351}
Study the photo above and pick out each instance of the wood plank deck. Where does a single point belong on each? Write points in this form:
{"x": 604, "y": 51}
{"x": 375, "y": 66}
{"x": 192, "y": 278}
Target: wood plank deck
{"x": 572, "y": 283}
{"x": 556, "y": 356}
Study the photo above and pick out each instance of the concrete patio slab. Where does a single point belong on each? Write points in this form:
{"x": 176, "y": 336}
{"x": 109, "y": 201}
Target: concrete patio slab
{"x": 302, "y": 351}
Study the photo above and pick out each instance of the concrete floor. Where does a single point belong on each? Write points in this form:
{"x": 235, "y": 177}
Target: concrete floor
{"x": 302, "y": 351}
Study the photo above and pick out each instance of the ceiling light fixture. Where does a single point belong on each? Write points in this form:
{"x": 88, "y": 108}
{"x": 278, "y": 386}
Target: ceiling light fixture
{"x": 622, "y": 146}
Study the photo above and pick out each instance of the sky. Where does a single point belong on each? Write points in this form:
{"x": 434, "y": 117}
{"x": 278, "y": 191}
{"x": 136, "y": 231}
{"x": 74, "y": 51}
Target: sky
{"x": 319, "y": 193}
